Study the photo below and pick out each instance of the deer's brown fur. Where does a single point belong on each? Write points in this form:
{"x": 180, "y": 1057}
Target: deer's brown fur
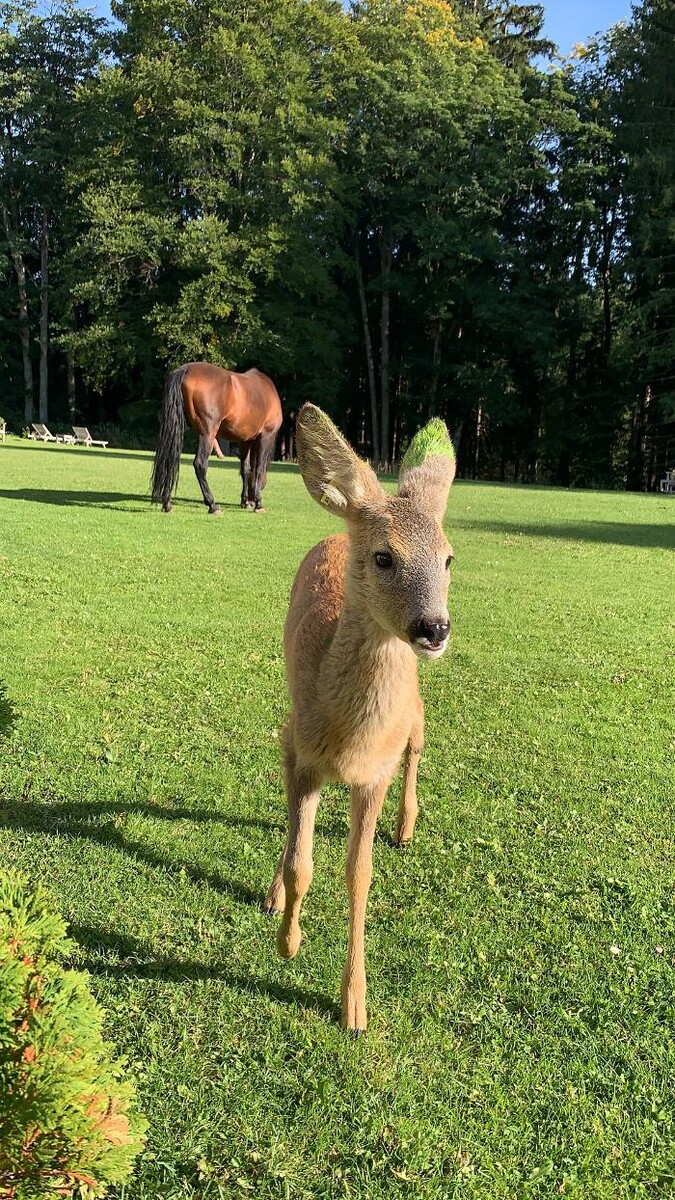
{"x": 352, "y": 638}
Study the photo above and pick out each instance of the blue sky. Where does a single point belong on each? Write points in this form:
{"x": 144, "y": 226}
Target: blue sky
{"x": 567, "y": 21}
{"x": 570, "y": 21}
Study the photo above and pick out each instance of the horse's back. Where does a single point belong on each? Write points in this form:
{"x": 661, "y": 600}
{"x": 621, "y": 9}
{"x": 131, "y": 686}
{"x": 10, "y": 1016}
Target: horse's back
{"x": 263, "y": 396}
{"x": 241, "y": 404}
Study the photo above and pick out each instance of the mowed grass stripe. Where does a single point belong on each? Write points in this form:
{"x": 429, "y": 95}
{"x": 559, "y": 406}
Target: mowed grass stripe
{"x": 520, "y": 953}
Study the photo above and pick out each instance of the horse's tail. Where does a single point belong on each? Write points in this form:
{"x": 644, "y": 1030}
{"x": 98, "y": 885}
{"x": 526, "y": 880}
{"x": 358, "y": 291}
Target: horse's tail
{"x": 170, "y": 441}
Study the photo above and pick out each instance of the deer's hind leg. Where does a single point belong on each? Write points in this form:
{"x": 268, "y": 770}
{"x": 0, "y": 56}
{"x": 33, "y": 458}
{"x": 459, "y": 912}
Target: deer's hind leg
{"x": 275, "y": 900}
{"x": 295, "y": 867}
{"x": 408, "y": 808}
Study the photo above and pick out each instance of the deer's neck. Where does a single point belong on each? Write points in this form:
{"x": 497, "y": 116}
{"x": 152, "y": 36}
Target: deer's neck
{"x": 376, "y": 669}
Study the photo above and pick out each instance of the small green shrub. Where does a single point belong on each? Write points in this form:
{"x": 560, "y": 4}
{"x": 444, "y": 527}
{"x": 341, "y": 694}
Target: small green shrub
{"x": 68, "y": 1125}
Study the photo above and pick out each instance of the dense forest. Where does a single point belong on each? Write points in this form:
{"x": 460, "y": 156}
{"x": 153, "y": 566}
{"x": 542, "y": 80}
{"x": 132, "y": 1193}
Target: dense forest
{"x": 396, "y": 209}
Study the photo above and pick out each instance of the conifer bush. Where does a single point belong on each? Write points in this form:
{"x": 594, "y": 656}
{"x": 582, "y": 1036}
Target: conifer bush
{"x": 68, "y": 1122}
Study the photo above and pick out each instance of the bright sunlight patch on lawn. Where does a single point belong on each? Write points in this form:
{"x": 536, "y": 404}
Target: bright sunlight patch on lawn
{"x": 520, "y": 953}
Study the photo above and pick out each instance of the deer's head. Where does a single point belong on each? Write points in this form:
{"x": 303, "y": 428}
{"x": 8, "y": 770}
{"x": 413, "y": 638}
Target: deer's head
{"x": 400, "y": 558}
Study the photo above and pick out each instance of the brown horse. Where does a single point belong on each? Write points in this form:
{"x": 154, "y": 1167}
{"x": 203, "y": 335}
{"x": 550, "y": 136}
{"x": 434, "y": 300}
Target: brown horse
{"x": 243, "y": 408}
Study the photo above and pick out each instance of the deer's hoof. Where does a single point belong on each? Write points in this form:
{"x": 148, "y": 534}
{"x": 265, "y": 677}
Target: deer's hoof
{"x": 401, "y": 839}
{"x": 288, "y": 941}
{"x": 275, "y": 900}
{"x": 354, "y": 1018}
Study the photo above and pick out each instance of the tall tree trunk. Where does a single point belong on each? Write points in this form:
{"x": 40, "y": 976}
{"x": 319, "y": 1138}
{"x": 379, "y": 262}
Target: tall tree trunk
{"x": 479, "y": 432}
{"x": 606, "y": 309}
{"x": 435, "y": 371}
{"x": 24, "y": 327}
{"x": 386, "y": 256}
{"x": 635, "y": 475}
{"x": 370, "y": 362}
{"x": 70, "y": 376}
{"x": 44, "y": 318}
{"x": 605, "y": 263}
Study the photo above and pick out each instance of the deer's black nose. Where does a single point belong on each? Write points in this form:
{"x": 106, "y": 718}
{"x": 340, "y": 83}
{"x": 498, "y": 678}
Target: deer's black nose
{"x": 434, "y": 632}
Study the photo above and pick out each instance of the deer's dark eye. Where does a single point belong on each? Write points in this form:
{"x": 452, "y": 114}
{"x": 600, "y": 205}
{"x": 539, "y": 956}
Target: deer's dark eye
{"x": 449, "y": 561}
{"x": 384, "y": 561}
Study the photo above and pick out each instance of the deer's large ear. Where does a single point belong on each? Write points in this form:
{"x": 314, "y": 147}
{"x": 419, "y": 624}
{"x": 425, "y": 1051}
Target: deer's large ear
{"x": 334, "y": 475}
{"x": 428, "y": 469}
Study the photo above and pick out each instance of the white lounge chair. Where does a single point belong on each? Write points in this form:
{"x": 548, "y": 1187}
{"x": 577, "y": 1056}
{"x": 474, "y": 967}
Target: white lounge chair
{"x": 41, "y": 434}
{"x": 84, "y": 438}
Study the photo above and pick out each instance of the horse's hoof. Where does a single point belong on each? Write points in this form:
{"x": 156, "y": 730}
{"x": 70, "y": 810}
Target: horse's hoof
{"x": 215, "y": 512}
{"x": 260, "y": 509}
{"x": 166, "y": 508}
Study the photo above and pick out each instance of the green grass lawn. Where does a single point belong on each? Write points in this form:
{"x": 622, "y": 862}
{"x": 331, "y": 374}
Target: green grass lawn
{"x": 520, "y": 953}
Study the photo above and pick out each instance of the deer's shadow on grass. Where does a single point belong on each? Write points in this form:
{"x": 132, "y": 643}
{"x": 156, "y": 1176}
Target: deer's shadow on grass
{"x": 7, "y": 711}
{"x": 74, "y": 818}
{"x": 75, "y": 821}
{"x": 119, "y": 955}
{"x": 130, "y": 956}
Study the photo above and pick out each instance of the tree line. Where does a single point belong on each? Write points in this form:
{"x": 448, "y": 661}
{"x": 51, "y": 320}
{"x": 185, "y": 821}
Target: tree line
{"x": 396, "y": 209}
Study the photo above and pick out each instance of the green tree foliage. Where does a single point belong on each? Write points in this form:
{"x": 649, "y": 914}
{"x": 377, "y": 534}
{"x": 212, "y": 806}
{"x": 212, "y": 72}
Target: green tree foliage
{"x": 43, "y": 62}
{"x": 395, "y": 209}
{"x": 437, "y": 124}
{"x": 67, "y": 1119}
{"x": 210, "y": 215}
{"x": 646, "y": 136}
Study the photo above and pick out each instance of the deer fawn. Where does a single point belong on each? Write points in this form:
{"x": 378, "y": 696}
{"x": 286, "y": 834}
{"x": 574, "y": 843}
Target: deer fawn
{"x": 364, "y": 607}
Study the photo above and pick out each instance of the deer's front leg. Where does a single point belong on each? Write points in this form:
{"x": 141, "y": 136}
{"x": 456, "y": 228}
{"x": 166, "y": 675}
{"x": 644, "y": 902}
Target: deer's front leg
{"x": 407, "y": 809}
{"x": 296, "y": 866}
{"x": 366, "y": 805}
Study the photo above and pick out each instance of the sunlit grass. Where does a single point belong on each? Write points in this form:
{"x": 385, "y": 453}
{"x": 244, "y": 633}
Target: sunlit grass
{"x": 520, "y": 953}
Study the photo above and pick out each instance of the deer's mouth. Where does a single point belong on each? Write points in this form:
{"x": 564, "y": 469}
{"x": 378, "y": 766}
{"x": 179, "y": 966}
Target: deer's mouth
{"x": 426, "y": 648}
{"x": 429, "y": 635}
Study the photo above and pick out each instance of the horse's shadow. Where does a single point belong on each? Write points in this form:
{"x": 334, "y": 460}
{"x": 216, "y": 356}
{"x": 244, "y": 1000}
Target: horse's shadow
{"x": 68, "y": 499}
{"x": 119, "y": 501}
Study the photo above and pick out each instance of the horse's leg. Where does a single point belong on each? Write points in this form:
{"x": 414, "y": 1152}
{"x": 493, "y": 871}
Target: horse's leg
{"x": 245, "y": 467}
{"x": 201, "y": 464}
{"x": 264, "y": 448}
{"x": 253, "y": 479}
